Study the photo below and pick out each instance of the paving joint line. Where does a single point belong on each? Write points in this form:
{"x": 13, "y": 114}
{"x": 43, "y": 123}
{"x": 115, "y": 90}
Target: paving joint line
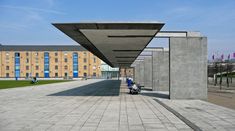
{"x": 148, "y": 103}
{"x": 182, "y": 118}
{"x": 138, "y": 112}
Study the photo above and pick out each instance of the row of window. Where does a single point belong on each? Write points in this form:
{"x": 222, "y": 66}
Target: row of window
{"x": 75, "y": 67}
{"x": 56, "y": 74}
{"x": 56, "y": 53}
{"x": 56, "y": 59}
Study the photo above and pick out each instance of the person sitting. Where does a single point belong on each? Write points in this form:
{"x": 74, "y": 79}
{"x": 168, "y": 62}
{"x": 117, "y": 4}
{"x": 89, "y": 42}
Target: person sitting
{"x": 34, "y": 80}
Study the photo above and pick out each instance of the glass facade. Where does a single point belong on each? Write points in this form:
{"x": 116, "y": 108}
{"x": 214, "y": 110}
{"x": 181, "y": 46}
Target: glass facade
{"x": 108, "y": 72}
{"x": 75, "y": 64}
{"x": 17, "y": 64}
{"x": 46, "y": 65}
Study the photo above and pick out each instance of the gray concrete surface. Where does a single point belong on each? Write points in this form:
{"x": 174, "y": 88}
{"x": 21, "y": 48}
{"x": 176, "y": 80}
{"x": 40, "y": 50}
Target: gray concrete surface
{"x": 207, "y": 116}
{"x": 137, "y": 72}
{"x": 188, "y": 68}
{"x": 141, "y": 73}
{"x": 148, "y": 72}
{"x": 161, "y": 70}
{"x": 83, "y": 105}
{"x": 97, "y": 38}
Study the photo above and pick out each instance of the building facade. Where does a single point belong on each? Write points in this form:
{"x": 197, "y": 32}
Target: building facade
{"x": 108, "y": 72}
{"x": 25, "y": 61}
{"x": 127, "y": 72}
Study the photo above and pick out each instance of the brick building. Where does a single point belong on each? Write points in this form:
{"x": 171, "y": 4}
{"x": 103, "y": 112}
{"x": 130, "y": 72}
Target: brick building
{"x": 48, "y": 61}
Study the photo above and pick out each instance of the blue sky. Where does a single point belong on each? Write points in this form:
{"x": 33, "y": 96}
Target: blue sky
{"x": 29, "y": 21}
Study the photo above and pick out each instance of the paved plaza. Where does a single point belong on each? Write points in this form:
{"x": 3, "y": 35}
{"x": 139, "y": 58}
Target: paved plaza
{"x": 82, "y": 105}
{"x": 102, "y": 105}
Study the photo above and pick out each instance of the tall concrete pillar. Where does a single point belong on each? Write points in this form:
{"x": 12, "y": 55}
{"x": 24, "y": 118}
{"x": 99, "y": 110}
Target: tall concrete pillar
{"x": 188, "y": 68}
{"x": 137, "y": 70}
{"x": 141, "y": 73}
{"x": 161, "y": 70}
{"x": 148, "y": 72}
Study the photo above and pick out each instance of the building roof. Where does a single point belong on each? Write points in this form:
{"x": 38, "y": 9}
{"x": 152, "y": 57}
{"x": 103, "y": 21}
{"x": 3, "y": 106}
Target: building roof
{"x": 117, "y": 44}
{"x": 41, "y": 48}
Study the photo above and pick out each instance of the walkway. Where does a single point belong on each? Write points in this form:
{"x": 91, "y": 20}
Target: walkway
{"x": 205, "y": 115}
{"x": 83, "y": 105}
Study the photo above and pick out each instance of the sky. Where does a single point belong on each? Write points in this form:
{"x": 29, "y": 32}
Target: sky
{"x": 28, "y": 22}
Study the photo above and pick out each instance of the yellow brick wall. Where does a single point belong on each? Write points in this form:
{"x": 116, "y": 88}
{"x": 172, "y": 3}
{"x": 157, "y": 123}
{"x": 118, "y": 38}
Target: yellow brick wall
{"x": 37, "y": 59}
{"x": 9, "y": 62}
{"x": 127, "y": 72}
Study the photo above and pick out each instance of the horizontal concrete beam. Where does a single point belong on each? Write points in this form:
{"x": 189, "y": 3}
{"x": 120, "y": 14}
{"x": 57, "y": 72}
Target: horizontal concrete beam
{"x": 168, "y": 34}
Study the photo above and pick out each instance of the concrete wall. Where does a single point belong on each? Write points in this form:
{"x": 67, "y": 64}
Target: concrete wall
{"x": 148, "y": 72}
{"x": 141, "y": 73}
{"x": 161, "y": 70}
{"x": 136, "y": 76}
{"x": 188, "y": 68}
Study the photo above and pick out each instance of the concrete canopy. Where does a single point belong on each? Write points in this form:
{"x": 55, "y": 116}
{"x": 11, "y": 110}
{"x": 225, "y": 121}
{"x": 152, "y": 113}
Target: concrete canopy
{"x": 117, "y": 44}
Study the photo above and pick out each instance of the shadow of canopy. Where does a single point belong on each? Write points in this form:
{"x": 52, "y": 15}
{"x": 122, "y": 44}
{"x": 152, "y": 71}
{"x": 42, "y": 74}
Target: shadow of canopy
{"x": 156, "y": 94}
{"x": 102, "y": 88}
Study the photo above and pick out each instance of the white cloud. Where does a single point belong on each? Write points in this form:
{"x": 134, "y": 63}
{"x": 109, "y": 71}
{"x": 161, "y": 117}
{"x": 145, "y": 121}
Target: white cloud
{"x": 24, "y": 8}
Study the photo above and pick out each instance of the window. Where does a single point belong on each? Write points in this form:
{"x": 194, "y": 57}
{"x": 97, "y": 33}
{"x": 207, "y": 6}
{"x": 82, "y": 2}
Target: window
{"x": 37, "y": 75}
{"x": 94, "y": 59}
{"x": 84, "y": 53}
{"x": 37, "y": 67}
{"x": 17, "y": 67}
{"x": 7, "y": 75}
{"x": 46, "y": 67}
{"x": 7, "y": 68}
{"x": 85, "y": 67}
{"x": 17, "y": 64}
{"x": 46, "y": 63}
{"x": 36, "y": 60}
{"x": 75, "y": 67}
{"x": 84, "y": 60}
{"x": 75, "y": 58}
{"x": 65, "y": 60}
{"x": 84, "y": 74}
{"x": 27, "y": 53}
{"x": 27, "y": 67}
{"x": 7, "y": 58}
{"x": 36, "y": 54}
{"x": 56, "y": 53}
{"x": 65, "y": 74}
{"x": 66, "y": 67}
{"x": 27, "y": 75}
{"x": 17, "y": 60}
{"x": 65, "y": 53}
{"x": 17, "y": 54}
{"x": 56, "y": 67}
{"x": 27, "y": 60}
{"x": 56, "y": 60}
{"x": 46, "y": 59}
{"x": 94, "y": 74}
{"x": 75, "y": 64}
{"x": 56, "y": 74}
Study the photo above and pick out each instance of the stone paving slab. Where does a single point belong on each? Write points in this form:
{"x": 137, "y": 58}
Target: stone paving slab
{"x": 205, "y": 115}
{"x": 83, "y": 105}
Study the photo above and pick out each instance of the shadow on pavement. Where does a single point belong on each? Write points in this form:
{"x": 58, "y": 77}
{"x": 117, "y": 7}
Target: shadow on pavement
{"x": 102, "y": 88}
{"x": 158, "y": 95}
